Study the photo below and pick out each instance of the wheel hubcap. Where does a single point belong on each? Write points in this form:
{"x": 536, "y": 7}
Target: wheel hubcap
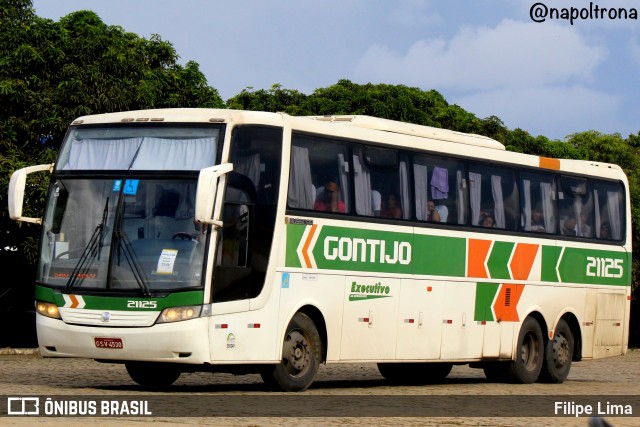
{"x": 298, "y": 355}
{"x": 561, "y": 350}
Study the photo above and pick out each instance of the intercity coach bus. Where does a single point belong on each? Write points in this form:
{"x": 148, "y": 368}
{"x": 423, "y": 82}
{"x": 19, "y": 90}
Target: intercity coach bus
{"x": 186, "y": 240}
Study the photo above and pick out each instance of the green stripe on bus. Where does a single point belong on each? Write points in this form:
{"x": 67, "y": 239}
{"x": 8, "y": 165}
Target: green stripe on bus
{"x": 499, "y": 259}
{"x": 440, "y": 256}
{"x": 362, "y": 249}
{"x": 550, "y": 257}
{"x": 93, "y": 302}
{"x": 592, "y": 266}
{"x": 485, "y": 294}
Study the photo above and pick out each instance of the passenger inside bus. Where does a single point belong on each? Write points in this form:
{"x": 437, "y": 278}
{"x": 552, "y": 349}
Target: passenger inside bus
{"x": 432, "y": 213}
{"x": 569, "y": 227}
{"x": 392, "y": 207}
{"x": 537, "y": 221}
{"x": 487, "y": 220}
{"x": 329, "y": 199}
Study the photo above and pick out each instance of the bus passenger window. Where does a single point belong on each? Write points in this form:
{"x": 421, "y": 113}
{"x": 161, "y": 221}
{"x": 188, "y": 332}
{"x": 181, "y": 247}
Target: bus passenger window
{"x": 493, "y": 195}
{"x": 314, "y": 163}
{"x": 440, "y": 190}
{"x": 576, "y": 207}
{"x": 609, "y": 218}
{"x": 539, "y": 212}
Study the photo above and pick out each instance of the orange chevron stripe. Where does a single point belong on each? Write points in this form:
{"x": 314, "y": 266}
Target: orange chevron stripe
{"x": 307, "y": 243}
{"x": 506, "y": 305}
{"x": 478, "y": 251}
{"x": 74, "y": 301}
{"x": 522, "y": 260}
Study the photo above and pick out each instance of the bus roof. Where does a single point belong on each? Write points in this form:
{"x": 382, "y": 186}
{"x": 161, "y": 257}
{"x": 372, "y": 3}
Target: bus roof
{"x": 403, "y": 128}
{"x": 352, "y": 122}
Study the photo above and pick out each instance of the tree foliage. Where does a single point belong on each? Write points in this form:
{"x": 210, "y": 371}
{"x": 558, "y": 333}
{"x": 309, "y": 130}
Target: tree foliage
{"x": 53, "y": 72}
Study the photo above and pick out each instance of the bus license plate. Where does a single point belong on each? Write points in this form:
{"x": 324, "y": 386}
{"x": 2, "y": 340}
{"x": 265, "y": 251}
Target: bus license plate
{"x": 109, "y": 343}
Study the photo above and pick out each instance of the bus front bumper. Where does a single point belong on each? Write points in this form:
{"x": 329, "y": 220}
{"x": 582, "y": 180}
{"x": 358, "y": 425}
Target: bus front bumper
{"x": 179, "y": 342}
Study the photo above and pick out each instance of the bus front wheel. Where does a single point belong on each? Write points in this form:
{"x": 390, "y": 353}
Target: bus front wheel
{"x": 153, "y": 375}
{"x": 301, "y": 354}
{"x": 558, "y": 354}
{"x": 528, "y": 362}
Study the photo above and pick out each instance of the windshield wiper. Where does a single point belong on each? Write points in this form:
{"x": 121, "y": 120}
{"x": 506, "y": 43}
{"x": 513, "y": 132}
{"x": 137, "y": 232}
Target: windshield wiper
{"x": 91, "y": 251}
{"x": 132, "y": 260}
{"x": 124, "y": 246}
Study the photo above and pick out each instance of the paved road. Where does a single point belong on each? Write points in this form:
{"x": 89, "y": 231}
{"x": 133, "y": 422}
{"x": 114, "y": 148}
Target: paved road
{"x": 33, "y": 375}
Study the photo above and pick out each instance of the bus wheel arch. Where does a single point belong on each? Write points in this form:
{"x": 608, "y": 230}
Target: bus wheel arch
{"x": 318, "y": 319}
{"x": 302, "y": 351}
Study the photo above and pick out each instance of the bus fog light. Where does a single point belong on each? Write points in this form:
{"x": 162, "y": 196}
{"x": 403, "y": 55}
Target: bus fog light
{"x": 177, "y": 314}
{"x": 48, "y": 309}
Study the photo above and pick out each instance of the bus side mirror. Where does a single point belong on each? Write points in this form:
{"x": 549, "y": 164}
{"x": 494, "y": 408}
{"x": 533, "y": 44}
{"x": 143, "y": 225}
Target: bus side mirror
{"x": 17, "y": 185}
{"x": 206, "y": 193}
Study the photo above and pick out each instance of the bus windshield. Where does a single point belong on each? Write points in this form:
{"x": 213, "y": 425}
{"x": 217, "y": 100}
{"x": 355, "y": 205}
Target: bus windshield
{"x": 135, "y": 235}
{"x": 123, "y": 232}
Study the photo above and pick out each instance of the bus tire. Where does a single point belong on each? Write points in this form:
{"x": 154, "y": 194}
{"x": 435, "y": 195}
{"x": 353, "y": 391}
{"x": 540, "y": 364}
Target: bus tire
{"x": 529, "y": 357}
{"x": 301, "y": 355}
{"x": 151, "y": 375}
{"x": 558, "y": 354}
{"x": 414, "y": 373}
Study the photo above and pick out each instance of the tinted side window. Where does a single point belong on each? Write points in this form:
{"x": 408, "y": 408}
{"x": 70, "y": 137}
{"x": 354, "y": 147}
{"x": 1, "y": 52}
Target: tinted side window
{"x": 609, "y": 212}
{"x": 538, "y": 197}
{"x": 440, "y": 190}
{"x": 493, "y": 197}
{"x": 381, "y": 182}
{"x": 576, "y": 207}
{"x": 319, "y": 175}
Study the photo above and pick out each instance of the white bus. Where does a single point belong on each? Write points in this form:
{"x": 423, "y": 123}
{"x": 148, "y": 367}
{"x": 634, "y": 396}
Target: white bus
{"x": 186, "y": 240}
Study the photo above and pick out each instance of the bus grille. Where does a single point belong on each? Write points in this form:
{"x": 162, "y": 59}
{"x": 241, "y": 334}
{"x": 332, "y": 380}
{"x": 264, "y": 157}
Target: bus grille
{"x": 107, "y": 318}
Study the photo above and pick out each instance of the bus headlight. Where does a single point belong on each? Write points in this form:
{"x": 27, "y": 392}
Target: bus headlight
{"x": 48, "y": 309}
{"x": 177, "y": 314}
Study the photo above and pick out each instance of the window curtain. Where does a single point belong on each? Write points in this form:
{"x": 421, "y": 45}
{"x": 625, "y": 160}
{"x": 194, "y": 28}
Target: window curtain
{"x": 613, "y": 203}
{"x": 498, "y": 200}
{"x": 301, "y": 191}
{"x": 421, "y": 181}
{"x": 343, "y": 177}
{"x": 102, "y": 154}
{"x": 548, "y": 213}
{"x": 597, "y": 218}
{"x": 577, "y": 208}
{"x": 142, "y": 154}
{"x": 362, "y": 181}
{"x": 460, "y": 196}
{"x": 175, "y": 154}
{"x": 526, "y": 209}
{"x": 249, "y": 166}
{"x": 404, "y": 191}
{"x": 475, "y": 180}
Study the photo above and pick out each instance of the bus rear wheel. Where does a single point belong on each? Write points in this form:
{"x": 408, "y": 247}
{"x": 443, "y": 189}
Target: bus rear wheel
{"x": 415, "y": 373}
{"x": 558, "y": 354}
{"x": 526, "y": 367}
{"x": 151, "y": 375}
{"x": 301, "y": 355}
